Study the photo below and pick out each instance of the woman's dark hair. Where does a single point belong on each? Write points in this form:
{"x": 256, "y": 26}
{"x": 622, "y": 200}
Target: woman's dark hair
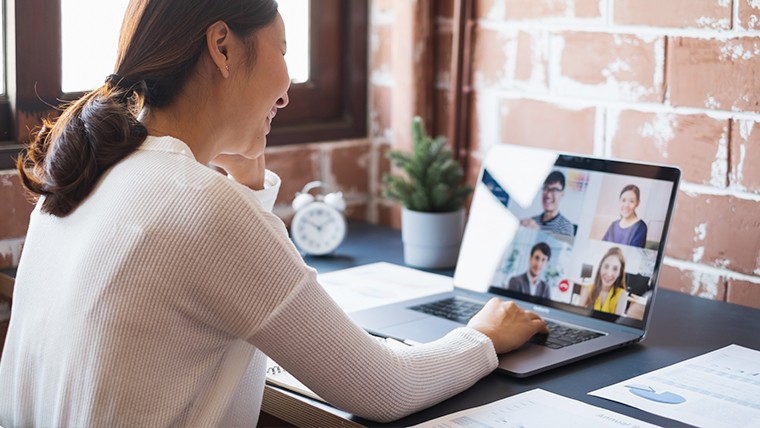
{"x": 619, "y": 284}
{"x": 161, "y": 41}
{"x": 633, "y": 188}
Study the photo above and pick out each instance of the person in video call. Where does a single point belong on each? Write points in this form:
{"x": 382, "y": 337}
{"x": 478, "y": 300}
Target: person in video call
{"x": 530, "y": 282}
{"x": 607, "y": 293}
{"x": 152, "y": 288}
{"x": 629, "y": 229}
{"x": 550, "y": 219}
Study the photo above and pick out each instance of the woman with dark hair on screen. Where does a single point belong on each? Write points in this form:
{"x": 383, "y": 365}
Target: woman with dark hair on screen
{"x": 629, "y": 229}
{"x": 151, "y": 286}
{"x": 607, "y": 293}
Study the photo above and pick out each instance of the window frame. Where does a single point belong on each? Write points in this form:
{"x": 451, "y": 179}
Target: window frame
{"x": 331, "y": 106}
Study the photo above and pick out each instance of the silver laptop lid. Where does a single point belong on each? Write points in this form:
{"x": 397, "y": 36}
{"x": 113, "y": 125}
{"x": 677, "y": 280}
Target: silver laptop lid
{"x": 567, "y": 231}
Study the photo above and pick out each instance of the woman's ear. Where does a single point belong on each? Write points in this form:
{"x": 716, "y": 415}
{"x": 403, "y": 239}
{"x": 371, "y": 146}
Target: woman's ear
{"x": 217, "y": 43}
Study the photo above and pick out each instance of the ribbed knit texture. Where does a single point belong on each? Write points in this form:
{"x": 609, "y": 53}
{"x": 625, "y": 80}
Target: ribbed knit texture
{"x": 151, "y": 305}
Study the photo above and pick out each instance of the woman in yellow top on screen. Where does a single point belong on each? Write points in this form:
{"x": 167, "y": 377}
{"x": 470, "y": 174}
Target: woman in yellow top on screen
{"x": 607, "y": 293}
{"x": 629, "y": 229}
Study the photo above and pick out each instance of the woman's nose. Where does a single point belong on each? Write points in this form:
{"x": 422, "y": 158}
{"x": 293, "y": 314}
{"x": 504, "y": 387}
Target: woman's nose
{"x": 283, "y": 100}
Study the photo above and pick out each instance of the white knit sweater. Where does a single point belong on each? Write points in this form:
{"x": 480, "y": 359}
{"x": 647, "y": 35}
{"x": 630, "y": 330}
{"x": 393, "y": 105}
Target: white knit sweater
{"x": 153, "y": 304}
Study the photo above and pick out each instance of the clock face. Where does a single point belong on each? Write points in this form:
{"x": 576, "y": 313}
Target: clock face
{"x": 318, "y": 228}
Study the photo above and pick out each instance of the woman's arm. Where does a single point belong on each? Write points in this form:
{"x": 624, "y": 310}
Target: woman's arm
{"x": 312, "y": 338}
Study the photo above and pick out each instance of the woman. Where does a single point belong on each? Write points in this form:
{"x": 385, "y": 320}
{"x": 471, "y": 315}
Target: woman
{"x": 151, "y": 286}
{"x": 629, "y": 229}
{"x": 607, "y": 293}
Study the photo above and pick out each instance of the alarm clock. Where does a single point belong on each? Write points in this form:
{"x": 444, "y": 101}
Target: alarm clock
{"x": 318, "y": 226}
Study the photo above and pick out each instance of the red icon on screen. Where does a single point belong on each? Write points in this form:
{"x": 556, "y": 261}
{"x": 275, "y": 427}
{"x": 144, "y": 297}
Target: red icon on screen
{"x": 564, "y": 285}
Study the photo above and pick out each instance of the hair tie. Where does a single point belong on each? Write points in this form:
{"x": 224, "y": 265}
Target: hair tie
{"x": 128, "y": 85}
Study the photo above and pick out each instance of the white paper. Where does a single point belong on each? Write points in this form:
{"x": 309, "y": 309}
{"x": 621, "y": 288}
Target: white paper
{"x": 717, "y": 389}
{"x": 536, "y": 408}
{"x": 278, "y": 376}
{"x": 376, "y": 284}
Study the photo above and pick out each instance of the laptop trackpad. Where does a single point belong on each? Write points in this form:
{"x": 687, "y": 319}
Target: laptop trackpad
{"x": 423, "y": 330}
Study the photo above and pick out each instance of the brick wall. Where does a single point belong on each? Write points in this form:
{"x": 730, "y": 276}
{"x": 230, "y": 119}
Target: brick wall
{"x": 672, "y": 82}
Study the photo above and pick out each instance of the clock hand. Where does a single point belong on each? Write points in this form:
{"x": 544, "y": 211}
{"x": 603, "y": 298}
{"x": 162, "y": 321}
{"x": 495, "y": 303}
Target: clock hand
{"x": 331, "y": 220}
{"x": 317, "y": 226}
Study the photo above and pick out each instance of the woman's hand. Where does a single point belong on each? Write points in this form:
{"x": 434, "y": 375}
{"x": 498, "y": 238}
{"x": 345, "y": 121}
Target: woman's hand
{"x": 246, "y": 171}
{"x": 506, "y": 324}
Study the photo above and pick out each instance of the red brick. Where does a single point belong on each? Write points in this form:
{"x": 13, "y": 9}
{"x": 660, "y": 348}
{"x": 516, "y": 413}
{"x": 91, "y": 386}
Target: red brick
{"x": 16, "y": 206}
{"x": 382, "y": 5}
{"x": 389, "y": 215}
{"x": 350, "y": 169}
{"x": 509, "y": 59}
{"x": 608, "y": 66}
{"x": 674, "y": 13}
{"x": 535, "y": 123}
{"x": 745, "y": 155}
{"x": 719, "y": 231}
{"x": 715, "y": 74}
{"x": 296, "y": 165}
{"x": 381, "y": 44}
{"x": 6, "y": 261}
{"x": 489, "y": 56}
{"x": 695, "y": 283}
{"x": 537, "y": 9}
{"x": 692, "y": 142}
{"x": 383, "y": 166}
{"x": 380, "y": 110}
{"x": 743, "y": 293}
{"x": 749, "y": 14}
{"x": 357, "y": 211}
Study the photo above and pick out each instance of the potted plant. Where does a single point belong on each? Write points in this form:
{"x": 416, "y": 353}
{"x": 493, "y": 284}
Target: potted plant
{"x": 432, "y": 192}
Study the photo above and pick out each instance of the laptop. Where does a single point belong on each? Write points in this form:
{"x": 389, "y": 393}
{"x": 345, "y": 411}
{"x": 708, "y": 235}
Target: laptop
{"x": 578, "y": 240}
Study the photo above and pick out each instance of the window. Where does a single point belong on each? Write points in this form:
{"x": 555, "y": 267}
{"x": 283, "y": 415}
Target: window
{"x": 328, "y": 98}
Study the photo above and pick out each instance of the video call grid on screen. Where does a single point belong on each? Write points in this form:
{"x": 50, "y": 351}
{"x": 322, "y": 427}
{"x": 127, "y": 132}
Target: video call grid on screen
{"x": 590, "y": 202}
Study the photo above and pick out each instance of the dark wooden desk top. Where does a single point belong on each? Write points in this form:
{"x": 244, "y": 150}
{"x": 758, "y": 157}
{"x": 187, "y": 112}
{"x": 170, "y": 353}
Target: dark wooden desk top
{"x": 682, "y": 327}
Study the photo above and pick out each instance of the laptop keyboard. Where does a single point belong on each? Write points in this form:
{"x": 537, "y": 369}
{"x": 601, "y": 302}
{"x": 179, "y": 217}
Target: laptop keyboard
{"x": 453, "y": 309}
{"x": 461, "y": 311}
{"x": 562, "y": 335}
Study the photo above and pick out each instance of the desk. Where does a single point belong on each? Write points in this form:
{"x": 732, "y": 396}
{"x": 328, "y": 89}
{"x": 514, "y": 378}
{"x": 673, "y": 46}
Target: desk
{"x": 682, "y": 327}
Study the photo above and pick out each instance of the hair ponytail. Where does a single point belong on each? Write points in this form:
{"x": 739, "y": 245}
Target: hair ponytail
{"x": 67, "y": 157}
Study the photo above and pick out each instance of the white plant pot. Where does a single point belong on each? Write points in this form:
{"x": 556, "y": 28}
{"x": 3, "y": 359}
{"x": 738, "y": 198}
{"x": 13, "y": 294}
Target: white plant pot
{"x": 431, "y": 240}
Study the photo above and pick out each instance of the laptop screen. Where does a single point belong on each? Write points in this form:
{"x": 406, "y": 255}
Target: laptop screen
{"x": 571, "y": 232}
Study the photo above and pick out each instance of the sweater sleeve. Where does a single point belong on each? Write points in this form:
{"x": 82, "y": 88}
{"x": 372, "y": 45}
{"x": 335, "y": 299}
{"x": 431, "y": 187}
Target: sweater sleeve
{"x": 268, "y": 194}
{"x": 311, "y": 337}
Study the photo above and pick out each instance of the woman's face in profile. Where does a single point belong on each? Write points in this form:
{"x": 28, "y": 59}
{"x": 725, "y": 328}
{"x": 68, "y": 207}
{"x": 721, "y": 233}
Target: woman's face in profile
{"x": 628, "y": 203}
{"x": 610, "y": 271}
{"x": 262, "y": 90}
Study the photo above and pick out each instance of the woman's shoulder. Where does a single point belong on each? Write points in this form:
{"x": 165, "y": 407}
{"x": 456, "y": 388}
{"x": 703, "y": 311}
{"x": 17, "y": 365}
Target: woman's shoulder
{"x": 640, "y": 225}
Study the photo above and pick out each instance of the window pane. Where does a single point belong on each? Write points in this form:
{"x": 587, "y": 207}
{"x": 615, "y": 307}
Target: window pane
{"x": 296, "y": 14}
{"x": 89, "y": 37}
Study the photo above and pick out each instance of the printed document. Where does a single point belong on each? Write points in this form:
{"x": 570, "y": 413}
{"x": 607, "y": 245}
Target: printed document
{"x": 377, "y": 284}
{"x": 535, "y": 408}
{"x": 717, "y": 389}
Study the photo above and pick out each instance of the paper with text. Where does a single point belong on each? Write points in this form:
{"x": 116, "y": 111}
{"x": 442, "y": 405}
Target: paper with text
{"x": 376, "y": 284}
{"x": 536, "y": 408}
{"x": 717, "y": 389}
